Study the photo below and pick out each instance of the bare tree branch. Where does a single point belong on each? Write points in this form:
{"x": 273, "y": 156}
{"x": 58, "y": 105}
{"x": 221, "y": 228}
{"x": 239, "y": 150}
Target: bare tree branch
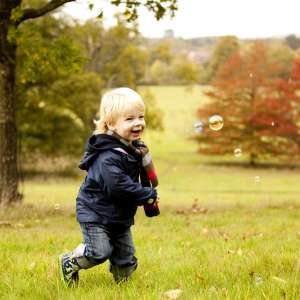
{"x": 31, "y": 13}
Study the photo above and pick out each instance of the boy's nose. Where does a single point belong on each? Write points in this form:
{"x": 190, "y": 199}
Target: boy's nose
{"x": 139, "y": 122}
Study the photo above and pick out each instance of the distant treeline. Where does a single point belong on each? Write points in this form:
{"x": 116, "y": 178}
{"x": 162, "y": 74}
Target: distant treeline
{"x": 64, "y": 67}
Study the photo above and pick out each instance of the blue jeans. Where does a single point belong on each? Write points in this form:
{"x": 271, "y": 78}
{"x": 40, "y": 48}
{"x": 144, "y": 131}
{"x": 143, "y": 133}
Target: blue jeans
{"x": 105, "y": 242}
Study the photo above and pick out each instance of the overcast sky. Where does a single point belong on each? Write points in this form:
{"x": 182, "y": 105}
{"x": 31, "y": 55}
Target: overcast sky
{"x": 198, "y": 18}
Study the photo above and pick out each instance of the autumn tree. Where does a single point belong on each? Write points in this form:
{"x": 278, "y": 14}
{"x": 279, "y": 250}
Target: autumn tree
{"x": 258, "y": 108}
{"x": 284, "y": 106}
{"x": 12, "y": 14}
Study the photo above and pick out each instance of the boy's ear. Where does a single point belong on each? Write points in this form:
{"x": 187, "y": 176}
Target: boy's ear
{"x": 110, "y": 127}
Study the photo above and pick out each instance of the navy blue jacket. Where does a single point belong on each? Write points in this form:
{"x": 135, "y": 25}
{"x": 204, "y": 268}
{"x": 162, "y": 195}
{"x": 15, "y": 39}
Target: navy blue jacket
{"x": 110, "y": 192}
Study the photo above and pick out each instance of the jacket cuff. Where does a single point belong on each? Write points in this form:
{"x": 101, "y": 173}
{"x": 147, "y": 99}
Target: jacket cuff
{"x": 152, "y": 197}
{"x": 152, "y": 194}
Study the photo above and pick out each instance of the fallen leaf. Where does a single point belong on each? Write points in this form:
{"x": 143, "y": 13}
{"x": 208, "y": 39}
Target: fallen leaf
{"x": 258, "y": 280}
{"x": 225, "y": 237}
{"x": 212, "y": 289}
{"x": 173, "y": 294}
{"x": 239, "y": 252}
{"x": 199, "y": 277}
{"x": 205, "y": 231}
{"x": 32, "y": 266}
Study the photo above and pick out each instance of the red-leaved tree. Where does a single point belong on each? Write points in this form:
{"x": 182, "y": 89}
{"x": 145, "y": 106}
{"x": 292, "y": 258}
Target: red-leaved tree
{"x": 259, "y": 110}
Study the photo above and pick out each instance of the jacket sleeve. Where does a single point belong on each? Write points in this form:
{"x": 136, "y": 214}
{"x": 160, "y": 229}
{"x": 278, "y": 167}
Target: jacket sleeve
{"x": 120, "y": 185}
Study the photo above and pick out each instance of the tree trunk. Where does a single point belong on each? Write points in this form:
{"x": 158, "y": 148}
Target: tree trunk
{"x": 8, "y": 131}
{"x": 253, "y": 159}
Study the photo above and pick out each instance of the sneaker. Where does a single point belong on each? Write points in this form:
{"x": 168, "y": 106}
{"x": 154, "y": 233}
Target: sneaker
{"x": 68, "y": 270}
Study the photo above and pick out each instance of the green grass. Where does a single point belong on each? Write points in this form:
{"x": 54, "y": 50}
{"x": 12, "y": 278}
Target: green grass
{"x": 220, "y": 235}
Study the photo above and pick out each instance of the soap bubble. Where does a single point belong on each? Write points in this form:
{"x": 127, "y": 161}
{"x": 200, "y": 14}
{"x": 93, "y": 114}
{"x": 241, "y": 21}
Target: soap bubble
{"x": 198, "y": 126}
{"x": 237, "y": 152}
{"x": 215, "y": 122}
{"x": 172, "y": 294}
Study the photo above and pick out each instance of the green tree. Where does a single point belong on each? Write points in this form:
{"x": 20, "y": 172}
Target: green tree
{"x": 154, "y": 114}
{"x": 160, "y": 73}
{"x": 284, "y": 58}
{"x": 115, "y": 53}
{"x": 185, "y": 71}
{"x": 123, "y": 62}
{"x": 226, "y": 47}
{"x": 56, "y": 121}
{"x": 50, "y": 85}
{"x": 70, "y": 94}
{"x": 292, "y": 41}
{"x": 13, "y": 14}
{"x": 162, "y": 52}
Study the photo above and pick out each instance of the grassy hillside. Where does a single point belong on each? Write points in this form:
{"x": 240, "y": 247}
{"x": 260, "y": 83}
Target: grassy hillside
{"x": 184, "y": 174}
{"x": 223, "y": 233}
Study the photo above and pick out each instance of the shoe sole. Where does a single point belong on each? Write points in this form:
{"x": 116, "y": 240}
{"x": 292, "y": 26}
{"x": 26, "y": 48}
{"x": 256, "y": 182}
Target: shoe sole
{"x": 61, "y": 274}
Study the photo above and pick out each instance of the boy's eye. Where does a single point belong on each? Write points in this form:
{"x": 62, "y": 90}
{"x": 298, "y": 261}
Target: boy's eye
{"x": 132, "y": 118}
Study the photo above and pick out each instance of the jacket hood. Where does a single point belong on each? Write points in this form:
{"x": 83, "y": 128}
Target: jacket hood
{"x": 99, "y": 143}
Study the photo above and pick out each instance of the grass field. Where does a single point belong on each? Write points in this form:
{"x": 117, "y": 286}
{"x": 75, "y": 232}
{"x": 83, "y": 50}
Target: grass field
{"x": 224, "y": 232}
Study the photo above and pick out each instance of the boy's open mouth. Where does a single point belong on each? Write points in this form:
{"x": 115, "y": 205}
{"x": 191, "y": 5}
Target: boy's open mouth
{"x": 136, "y": 131}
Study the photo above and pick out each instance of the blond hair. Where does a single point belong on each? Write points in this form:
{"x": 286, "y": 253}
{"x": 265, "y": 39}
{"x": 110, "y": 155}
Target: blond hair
{"x": 115, "y": 104}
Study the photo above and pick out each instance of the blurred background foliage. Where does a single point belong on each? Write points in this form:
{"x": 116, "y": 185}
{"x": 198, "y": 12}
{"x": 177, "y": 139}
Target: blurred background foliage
{"x": 63, "y": 68}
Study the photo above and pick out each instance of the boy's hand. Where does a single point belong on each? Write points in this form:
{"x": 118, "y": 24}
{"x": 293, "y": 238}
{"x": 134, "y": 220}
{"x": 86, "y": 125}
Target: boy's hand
{"x": 153, "y": 200}
{"x": 139, "y": 144}
{"x": 150, "y": 201}
{"x": 152, "y": 208}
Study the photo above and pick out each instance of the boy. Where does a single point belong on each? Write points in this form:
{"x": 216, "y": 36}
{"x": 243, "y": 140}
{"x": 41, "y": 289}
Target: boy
{"x": 108, "y": 198}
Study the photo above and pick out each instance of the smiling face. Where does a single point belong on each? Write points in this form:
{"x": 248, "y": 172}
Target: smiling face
{"x": 130, "y": 126}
